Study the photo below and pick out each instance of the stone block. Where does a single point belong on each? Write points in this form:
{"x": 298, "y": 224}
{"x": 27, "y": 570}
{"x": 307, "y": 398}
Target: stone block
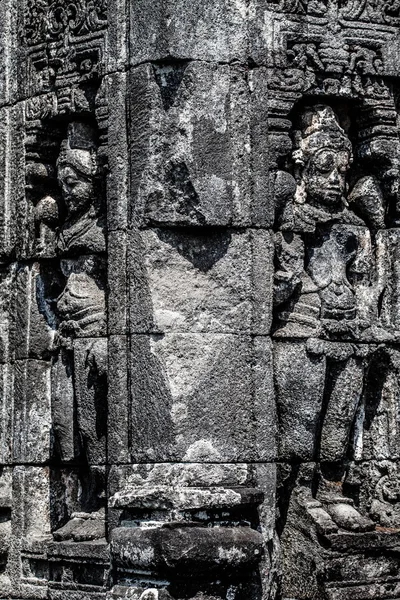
{"x": 186, "y": 550}
{"x": 66, "y": 493}
{"x": 202, "y": 30}
{"x": 34, "y": 319}
{"x": 262, "y": 208}
{"x": 266, "y": 480}
{"x": 190, "y": 145}
{"x": 118, "y": 401}
{"x": 12, "y": 183}
{"x": 7, "y": 207}
{"x": 22, "y": 225}
{"x": 118, "y": 294}
{"x": 201, "y": 282}
{"x": 31, "y": 504}
{"x": 73, "y": 565}
{"x": 267, "y": 23}
{"x": 117, "y": 39}
{"x": 193, "y": 399}
{"x": 388, "y": 242}
{"x": 181, "y": 475}
{"x": 32, "y": 411}
{"x": 6, "y": 412}
{"x": 7, "y": 313}
{"x": 8, "y": 62}
{"x": 117, "y": 153}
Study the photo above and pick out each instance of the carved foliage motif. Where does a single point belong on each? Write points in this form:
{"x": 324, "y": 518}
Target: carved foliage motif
{"x": 300, "y": 7}
{"x": 334, "y": 65}
{"x": 375, "y": 11}
{"x": 336, "y": 56}
{"x": 65, "y": 47}
{"x": 50, "y": 20}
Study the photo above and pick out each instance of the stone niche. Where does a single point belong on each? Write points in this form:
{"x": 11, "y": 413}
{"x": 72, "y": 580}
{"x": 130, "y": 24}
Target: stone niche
{"x": 199, "y": 300}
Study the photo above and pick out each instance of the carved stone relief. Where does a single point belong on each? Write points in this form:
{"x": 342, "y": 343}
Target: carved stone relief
{"x": 332, "y": 280}
{"x": 199, "y": 300}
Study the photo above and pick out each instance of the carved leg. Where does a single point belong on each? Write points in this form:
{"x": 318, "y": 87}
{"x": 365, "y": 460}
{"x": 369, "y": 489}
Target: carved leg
{"x": 345, "y": 381}
{"x": 345, "y": 389}
{"x": 299, "y": 382}
{"x": 90, "y": 374}
{"x": 62, "y": 400}
{"x": 90, "y": 389}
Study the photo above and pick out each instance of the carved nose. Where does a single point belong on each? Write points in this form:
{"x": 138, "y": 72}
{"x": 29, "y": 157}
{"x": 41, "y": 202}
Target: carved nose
{"x": 335, "y": 177}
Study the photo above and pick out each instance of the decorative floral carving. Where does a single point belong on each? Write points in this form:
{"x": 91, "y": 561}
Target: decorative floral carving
{"x": 335, "y": 56}
{"x": 332, "y": 66}
{"x": 51, "y": 19}
{"x": 301, "y": 7}
{"x": 34, "y": 21}
{"x": 41, "y": 107}
{"x": 375, "y": 11}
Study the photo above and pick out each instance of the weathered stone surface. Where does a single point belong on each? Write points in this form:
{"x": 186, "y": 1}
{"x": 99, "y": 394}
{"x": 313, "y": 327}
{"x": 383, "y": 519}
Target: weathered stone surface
{"x": 191, "y": 157}
{"x": 216, "y": 282}
{"x": 174, "y": 549}
{"x": 217, "y": 417}
{"x": 210, "y": 31}
{"x": 199, "y": 299}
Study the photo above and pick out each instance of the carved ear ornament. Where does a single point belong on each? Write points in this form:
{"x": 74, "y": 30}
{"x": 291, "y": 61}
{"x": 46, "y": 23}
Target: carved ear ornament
{"x": 300, "y": 195}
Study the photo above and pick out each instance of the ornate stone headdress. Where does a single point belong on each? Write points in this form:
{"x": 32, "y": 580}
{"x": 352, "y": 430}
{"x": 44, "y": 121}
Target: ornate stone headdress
{"x": 318, "y": 128}
{"x": 79, "y": 149}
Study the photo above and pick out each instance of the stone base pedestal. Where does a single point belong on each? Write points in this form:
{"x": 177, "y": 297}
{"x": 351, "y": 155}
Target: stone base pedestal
{"x": 78, "y": 570}
{"x": 341, "y": 565}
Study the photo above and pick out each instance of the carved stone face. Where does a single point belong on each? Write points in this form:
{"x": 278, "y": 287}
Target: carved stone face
{"x": 322, "y": 155}
{"x": 325, "y": 176}
{"x": 77, "y": 189}
{"x": 390, "y": 177}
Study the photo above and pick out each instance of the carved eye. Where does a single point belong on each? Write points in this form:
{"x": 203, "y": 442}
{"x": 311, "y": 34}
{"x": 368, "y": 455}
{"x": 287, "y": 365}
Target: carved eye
{"x": 343, "y": 160}
{"x": 325, "y": 161}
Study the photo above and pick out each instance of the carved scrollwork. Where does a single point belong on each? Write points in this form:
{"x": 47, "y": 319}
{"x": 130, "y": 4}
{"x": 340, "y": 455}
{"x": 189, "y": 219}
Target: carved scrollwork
{"x": 374, "y": 11}
{"x": 50, "y": 20}
{"x": 41, "y": 107}
{"x": 65, "y": 16}
{"x": 299, "y": 7}
{"x": 79, "y": 16}
{"x": 336, "y": 57}
{"x": 334, "y": 66}
{"x": 34, "y": 21}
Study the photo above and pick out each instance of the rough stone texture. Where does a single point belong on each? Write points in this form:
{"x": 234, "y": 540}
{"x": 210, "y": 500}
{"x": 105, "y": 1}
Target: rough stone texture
{"x": 199, "y": 299}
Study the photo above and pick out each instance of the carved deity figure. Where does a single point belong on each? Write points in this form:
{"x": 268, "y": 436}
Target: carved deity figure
{"x": 79, "y": 375}
{"x": 323, "y": 264}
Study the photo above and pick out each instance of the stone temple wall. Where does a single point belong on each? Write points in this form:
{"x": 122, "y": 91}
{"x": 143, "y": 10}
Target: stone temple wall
{"x": 200, "y": 299}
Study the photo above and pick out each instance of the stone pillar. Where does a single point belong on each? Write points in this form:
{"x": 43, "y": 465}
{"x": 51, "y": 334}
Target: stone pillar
{"x": 191, "y": 397}
{"x": 199, "y": 299}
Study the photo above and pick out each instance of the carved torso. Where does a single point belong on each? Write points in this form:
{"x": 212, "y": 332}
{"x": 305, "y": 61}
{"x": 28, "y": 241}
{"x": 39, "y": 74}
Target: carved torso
{"x": 324, "y": 291}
